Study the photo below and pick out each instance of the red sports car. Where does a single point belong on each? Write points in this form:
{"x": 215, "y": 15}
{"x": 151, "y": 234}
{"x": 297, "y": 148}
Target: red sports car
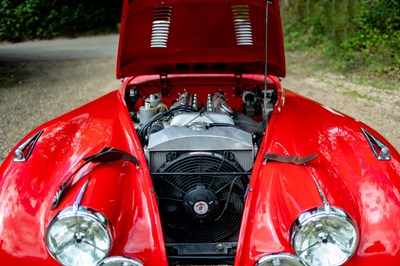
{"x": 201, "y": 158}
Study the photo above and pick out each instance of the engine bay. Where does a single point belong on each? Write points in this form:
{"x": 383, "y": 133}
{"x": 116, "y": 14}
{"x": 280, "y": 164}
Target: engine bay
{"x": 200, "y": 142}
{"x": 199, "y": 104}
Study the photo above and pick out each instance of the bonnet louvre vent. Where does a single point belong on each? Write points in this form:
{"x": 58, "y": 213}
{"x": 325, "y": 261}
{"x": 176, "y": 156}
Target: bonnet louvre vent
{"x": 160, "y": 29}
{"x": 241, "y": 20}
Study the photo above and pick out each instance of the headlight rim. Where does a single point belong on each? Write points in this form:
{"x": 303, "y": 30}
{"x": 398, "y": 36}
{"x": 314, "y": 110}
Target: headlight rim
{"x": 287, "y": 256}
{"x": 81, "y": 211}
{"x": 117, "y": 259}
{"x": 322, "y": 211}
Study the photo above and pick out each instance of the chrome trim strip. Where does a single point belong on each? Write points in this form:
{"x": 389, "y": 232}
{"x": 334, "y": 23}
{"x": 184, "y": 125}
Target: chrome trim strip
{"x": 80, "y": 196}
{"x": 321, "y": 192}
{"x": 20, "y": 154}
{"x": 122, "y": 261}
{"x": 384, "y": 152}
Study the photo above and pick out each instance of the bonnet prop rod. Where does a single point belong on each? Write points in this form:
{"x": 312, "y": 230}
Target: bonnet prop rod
{"x": 265, "y": 115}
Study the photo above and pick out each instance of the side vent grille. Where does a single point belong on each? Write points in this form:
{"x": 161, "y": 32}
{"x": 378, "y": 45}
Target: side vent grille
{"x": 242, "y": 24}
{"x": 160, "y": 29}
{"x": 380, "y": 150}
{"x": 22, "y": 153}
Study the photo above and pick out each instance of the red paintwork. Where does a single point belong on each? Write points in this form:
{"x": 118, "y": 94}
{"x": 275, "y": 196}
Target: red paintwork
{"x": 199, "y": 32}
{"x": 350, "y": 176}
{"x": 118, "y": 190}
{"x": 348, "y": 172}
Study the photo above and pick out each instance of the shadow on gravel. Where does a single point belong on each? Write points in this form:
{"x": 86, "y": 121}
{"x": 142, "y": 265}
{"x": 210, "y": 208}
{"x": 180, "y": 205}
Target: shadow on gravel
{"x": 11, "y": 74}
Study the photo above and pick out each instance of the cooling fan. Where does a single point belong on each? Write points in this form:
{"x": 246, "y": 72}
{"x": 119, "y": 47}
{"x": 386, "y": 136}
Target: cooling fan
{"x": 201, "y": 196}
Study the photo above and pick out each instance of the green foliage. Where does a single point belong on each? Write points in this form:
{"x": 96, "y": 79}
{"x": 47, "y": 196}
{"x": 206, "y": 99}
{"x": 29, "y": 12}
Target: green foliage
{"x": 29, "y": 19}
{"x": 352, "y": 33}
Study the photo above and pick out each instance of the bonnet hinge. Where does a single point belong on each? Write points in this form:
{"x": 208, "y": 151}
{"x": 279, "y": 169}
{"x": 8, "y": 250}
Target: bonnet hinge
{"x": 164, "y": 87}
{"x": 238, "y": 84}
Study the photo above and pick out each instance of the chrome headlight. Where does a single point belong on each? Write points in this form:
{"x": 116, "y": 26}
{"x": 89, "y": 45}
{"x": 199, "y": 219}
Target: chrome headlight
{"x": 282, "y": 259}
{"x": 78, "y": 237}
{"x": 324, "y": 236}
{"x": 119, "y": 261}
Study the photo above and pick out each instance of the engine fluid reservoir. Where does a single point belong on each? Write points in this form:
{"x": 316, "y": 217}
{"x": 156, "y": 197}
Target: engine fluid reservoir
{"x": 154, "y": 100}
{"x": 145, "y": 112}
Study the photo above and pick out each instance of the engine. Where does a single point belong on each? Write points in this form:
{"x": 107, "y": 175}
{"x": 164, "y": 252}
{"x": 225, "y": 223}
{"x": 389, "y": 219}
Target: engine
{"x": 200, "y": 159}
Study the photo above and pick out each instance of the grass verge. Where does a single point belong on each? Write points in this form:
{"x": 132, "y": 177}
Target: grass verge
{"x": 311, "y": 62}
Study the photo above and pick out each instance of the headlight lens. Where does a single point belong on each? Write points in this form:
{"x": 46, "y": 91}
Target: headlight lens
{"x": 324, "y": 236}
{"x": 282, "y": 259}
{"x": 78, "y": 237}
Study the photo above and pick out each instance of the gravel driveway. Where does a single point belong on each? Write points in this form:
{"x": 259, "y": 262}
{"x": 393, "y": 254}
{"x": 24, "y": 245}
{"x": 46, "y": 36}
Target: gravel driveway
{"x": 52, "y": 77}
